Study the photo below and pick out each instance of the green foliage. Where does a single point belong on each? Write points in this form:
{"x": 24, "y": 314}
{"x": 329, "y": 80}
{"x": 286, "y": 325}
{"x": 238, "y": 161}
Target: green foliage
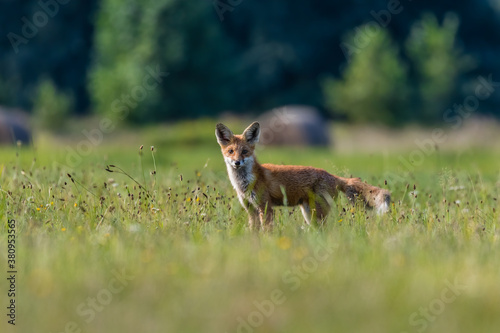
{"x": 376, "y": 86}
{"x": 167, "y": 35}
{"x": 51, "y": 107}
{"x": 439, "y": 64}
{"x": 120, "y": 58}
{"x": 5, "y": 92}
{"x": 254, "y": 56}
{"x": 46, "y": 39}
{"x": 373, "y": 87}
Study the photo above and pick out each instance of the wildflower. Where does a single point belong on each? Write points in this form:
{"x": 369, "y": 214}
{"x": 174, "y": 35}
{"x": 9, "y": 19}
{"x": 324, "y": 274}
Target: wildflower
{"x": 284, "y": 243}
{"x": 63, "y": 229}
{"x": 76, "y": 204}
{"x": 340, "y": 220}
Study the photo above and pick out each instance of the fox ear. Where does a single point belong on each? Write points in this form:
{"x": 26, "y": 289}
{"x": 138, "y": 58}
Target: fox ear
{"x": 252, "y": 133}
{"x": 223, "y": 134}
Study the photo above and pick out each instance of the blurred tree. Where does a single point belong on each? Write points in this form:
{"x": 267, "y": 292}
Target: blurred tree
{"x": 137, "y": 43}
{"x": 260, "y": 54}
{"x": 439, "y": 65}
{"x": 374, "y": 86}
{"x": 50, "y": 39}
{"x": 5, "y": 92}
{"x": 51, "y": 107}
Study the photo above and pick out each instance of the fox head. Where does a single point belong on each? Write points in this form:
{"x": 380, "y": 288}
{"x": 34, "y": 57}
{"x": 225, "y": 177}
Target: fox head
{"x": 238, "y": 149}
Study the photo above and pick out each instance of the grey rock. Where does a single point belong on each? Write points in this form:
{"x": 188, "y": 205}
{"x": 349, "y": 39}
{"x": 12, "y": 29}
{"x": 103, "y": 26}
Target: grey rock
{"x": 294, "y": 125}
{"x": 14, "y": 126}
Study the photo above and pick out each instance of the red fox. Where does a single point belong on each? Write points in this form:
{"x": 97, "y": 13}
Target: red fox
{"x": 260, "y": 187}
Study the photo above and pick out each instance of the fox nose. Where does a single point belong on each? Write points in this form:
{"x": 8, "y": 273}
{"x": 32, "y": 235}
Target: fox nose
{"x": 237, "y": 163}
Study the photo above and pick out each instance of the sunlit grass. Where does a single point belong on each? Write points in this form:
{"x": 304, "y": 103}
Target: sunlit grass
{"x": 190, "y": 264}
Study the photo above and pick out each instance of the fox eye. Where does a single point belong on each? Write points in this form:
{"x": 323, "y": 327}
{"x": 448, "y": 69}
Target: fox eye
{"x": 244, "y": 151}
{"x": 231, "y": 151}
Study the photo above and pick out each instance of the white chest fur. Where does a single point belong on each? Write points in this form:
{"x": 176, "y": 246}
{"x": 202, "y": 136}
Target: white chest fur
{"x": 241, "y": 177}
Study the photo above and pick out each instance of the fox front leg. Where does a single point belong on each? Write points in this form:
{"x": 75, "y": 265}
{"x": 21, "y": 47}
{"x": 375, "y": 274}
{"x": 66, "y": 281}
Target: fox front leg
{"x": 253, "y": 218}
{"x": 253, "y": 214}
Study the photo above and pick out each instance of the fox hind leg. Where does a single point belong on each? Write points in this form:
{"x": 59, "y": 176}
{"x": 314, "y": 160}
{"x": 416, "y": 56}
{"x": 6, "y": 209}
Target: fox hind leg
{"x": 306, "y": 212}
{"x": 322, "y": 210}
{"x": 315, "y": 212}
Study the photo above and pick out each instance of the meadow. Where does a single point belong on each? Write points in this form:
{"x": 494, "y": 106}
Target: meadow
{"x": 131, "y": 240}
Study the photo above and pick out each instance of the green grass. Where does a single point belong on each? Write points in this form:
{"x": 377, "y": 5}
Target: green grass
{"x": 191, "y": 264}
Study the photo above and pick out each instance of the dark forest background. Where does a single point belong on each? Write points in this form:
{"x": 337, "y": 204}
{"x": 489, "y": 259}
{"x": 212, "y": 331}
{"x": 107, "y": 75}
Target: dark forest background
{"x": 367, "y": 61}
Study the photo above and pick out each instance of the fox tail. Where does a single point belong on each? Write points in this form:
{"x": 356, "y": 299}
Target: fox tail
{"x": 372, "y": 196}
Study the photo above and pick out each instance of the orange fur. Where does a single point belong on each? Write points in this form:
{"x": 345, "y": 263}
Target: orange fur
{"x": 260, "y": 187}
